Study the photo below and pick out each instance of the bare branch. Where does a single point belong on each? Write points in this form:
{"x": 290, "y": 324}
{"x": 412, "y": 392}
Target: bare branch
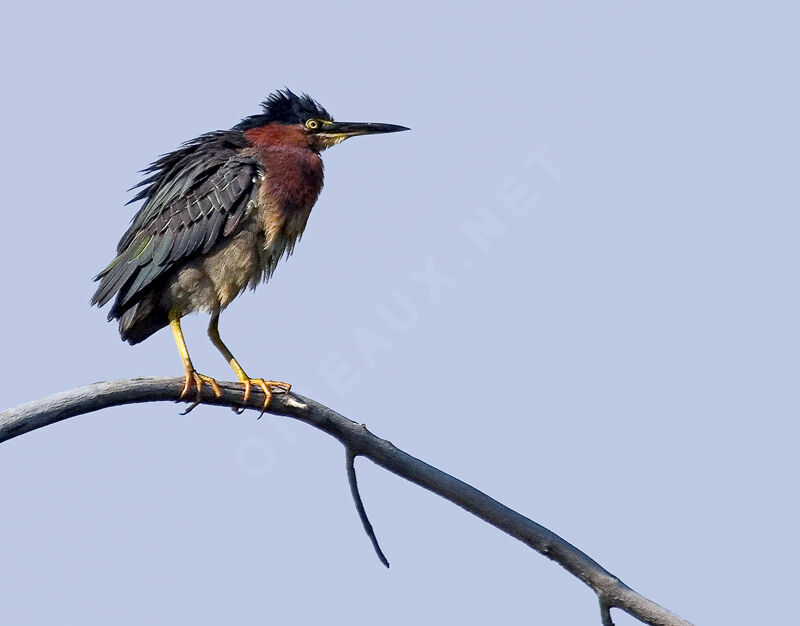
{"x": 357, "y": 440}
{"x": 362, "y": 512}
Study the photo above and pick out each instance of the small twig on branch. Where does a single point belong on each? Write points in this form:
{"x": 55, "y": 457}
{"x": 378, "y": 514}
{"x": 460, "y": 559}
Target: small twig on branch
{"x": 605, "y": 614}
{"x": 357, "y": 440}
{"x": 362, "y": 513}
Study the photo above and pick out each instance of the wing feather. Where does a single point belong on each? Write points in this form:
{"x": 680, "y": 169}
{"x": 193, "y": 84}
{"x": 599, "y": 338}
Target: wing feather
{"x": 181, "y": 242}
{"x": 194, "y": 198}
{"x": 164, "y": 246}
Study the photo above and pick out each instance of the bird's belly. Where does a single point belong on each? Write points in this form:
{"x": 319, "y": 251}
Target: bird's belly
{"x": 212, "y": 282}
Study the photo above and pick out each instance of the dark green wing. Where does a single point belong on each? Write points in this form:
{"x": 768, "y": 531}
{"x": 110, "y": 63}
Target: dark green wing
{"x": 194, "y": 198}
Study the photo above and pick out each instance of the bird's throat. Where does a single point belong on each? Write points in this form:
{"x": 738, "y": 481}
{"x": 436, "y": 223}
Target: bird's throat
{"x": 294, "y": 171}
{"x": 290, "y": 187}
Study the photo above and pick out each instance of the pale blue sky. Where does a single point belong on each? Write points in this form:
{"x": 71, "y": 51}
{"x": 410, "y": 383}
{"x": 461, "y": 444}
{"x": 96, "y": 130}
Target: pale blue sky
{"x": 614, "y": 354}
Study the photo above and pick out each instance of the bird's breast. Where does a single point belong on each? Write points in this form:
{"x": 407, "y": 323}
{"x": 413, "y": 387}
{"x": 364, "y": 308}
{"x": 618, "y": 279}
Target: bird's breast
{"x": 290, "y": 186}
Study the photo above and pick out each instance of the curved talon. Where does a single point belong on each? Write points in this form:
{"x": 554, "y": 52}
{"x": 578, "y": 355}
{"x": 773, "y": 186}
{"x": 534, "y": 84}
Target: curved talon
{"x": 264, "y": 385}
{"x": 190, "y": 408}
{"x": 267, "y": 394}
{"x": 198, "y": 379}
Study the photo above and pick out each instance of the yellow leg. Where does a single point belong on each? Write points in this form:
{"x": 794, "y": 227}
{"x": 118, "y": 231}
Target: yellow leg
{"x": 191, "y": 374}
{"x": 264, "y": 385}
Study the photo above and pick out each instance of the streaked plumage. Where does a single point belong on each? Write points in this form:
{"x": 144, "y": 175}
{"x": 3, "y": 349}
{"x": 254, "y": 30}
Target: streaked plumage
{"x": 206, "y": 193}
{"x": 218, "y": 215}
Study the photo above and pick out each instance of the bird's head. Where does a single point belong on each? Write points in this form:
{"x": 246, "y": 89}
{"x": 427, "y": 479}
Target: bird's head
{"x": 309, "y": 120}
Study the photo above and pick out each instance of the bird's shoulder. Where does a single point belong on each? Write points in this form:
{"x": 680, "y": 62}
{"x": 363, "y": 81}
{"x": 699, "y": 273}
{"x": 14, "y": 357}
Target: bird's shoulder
{"x": 187, "y": 171}
{"x": 193, "y": 197}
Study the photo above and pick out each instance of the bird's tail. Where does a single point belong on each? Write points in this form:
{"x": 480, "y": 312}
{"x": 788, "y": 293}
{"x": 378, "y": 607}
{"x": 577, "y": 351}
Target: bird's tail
{"x": 141, "y": 320}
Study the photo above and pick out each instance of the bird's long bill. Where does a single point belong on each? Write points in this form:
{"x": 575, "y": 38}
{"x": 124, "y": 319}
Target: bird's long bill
{"x": 351, "y": 129}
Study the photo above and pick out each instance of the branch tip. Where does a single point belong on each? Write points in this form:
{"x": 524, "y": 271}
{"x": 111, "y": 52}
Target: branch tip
{"x": 362, "y": 513}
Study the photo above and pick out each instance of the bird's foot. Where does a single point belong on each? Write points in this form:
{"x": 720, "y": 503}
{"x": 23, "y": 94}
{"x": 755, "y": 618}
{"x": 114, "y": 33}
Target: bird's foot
{"x": 193, "y": 377}
{"x": 265, "y": 386}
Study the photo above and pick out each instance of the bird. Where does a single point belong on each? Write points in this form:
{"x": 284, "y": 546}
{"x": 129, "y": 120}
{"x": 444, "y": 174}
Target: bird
{"x": 218, "y": 214}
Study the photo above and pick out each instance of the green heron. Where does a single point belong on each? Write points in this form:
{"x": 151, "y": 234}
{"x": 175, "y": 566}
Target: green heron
{"x": 218, "y": 215}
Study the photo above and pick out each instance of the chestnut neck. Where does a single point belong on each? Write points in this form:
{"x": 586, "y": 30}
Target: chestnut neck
{"x": 293, "y": 167}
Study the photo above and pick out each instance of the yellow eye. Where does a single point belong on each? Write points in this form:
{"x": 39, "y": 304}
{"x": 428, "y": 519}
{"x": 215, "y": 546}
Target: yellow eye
{"x": 312, "y": 124}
